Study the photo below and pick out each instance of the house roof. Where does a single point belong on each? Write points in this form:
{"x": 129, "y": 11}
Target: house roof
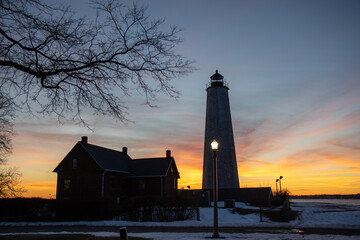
{"x": 147, "y": 167}
{"x": 112, "y": 160}
{"x": 108, "y": 159}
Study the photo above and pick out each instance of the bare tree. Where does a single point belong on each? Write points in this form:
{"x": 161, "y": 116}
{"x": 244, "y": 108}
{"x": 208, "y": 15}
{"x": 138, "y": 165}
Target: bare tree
{"x": 58, "y": 63}
{"x": 6, "y": 127}
{"x": 10, "y": 182}
{"x": 9, "y": 176}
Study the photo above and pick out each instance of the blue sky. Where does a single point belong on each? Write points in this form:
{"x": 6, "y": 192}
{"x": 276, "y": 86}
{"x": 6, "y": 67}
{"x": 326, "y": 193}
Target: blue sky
{"x": 293, "y": 68}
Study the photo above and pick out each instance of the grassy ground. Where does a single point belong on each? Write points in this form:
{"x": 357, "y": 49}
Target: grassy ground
{"x": 60, "y": 237}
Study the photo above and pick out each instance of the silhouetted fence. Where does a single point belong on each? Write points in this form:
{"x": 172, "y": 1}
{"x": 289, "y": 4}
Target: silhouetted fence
{"x": 45, "y": 210}
{"x": 134, "y": 209}
{"x": 157, "y": 209}
{"x": 160, "y": 214}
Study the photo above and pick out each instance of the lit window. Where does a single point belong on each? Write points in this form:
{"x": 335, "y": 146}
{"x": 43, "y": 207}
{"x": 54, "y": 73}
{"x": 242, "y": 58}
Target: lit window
{"x": 66, "y": 183}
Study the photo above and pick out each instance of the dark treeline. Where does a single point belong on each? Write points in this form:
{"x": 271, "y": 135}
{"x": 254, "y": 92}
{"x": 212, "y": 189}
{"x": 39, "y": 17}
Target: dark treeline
{"x": 327, "y": 196}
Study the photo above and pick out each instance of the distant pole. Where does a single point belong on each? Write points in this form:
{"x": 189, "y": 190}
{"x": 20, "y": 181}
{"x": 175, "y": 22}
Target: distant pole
{"x": 276, "y": 185}
{"x": 214, "y": 146}
{"x": 280, "y": 182}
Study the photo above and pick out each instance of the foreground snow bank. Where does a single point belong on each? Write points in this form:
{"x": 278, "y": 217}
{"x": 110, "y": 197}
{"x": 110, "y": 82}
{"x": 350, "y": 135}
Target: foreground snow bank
{"x": 237, "y": 236}
{"x": 195, "y": 236}
{"x": 313, "y": 215}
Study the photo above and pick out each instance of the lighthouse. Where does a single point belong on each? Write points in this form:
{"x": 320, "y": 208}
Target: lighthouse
{"x": 218, "y": 126}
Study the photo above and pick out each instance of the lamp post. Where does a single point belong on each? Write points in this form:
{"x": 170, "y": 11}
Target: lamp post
{"x": 276, "y": 186}
{"x": 280, "y": 182}
{"x": 214, "y": 147}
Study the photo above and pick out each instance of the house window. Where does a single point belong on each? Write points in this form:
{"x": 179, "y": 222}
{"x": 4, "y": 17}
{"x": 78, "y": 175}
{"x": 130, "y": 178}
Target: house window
{"x": 172, "y": 170}
{"x": 142, "y": 185}
{"x": 66, "y": 183}
{"x": 74, "y": 163}
{"x": 111, "y": 182}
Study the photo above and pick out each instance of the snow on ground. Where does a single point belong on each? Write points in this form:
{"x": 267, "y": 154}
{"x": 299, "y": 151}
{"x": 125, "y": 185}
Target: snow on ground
{"x": 325, "y": 215}
{"x": 196, "y": 236}
{"x": 318, "y": 215}
{"x": 313, "y": 215}
{"x": 237, "y": 236}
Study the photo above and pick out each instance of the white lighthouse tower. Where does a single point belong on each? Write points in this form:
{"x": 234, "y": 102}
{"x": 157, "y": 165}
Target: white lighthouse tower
{"x": 218, "y": 126}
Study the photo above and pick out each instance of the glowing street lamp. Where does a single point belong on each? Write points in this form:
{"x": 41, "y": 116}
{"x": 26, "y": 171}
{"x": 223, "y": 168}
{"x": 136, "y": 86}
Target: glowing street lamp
{"x": 214, "y": 147}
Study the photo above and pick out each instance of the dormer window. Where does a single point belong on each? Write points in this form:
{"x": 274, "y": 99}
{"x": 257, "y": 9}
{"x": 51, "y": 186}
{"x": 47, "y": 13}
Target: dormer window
{"x": 74, "y": 163}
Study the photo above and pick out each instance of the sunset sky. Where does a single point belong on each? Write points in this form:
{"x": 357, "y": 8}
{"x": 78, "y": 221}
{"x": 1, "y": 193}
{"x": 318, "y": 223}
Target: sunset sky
{"x": 293, "y": 69}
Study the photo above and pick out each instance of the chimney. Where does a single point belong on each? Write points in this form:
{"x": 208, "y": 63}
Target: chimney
{"x": 124, "y": 150}
{"x": 168, "y": 154}
{"x": 84, "y": 139}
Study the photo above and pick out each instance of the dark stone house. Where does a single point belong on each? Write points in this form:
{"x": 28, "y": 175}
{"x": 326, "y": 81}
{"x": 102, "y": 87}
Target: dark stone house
{"x": 93, "y": 172}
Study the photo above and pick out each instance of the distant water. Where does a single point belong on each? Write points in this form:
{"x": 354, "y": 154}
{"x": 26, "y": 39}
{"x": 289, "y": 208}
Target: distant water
{"x": 351, "y": 202}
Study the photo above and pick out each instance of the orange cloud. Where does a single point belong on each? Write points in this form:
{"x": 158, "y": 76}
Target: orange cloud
{"x": 190, "y": 176}
{"x": 316, "y": 153}
{"x": 34, "y": 189}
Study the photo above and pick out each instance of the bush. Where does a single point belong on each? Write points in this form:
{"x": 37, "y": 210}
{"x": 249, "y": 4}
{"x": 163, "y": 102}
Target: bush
{"x": 282, "y": 215}
{"x": 281, "y": 197}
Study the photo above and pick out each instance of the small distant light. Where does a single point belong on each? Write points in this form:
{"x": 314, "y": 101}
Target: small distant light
{"x": 214, "y": 145}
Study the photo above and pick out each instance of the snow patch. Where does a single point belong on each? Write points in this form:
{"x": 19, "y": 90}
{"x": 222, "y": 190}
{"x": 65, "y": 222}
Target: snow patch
{"x": 320, "y": 215}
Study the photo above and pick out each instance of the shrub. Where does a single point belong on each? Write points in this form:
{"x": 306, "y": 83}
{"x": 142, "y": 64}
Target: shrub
{"x": 281, "y": 197}
{"x": 282, "y": 215}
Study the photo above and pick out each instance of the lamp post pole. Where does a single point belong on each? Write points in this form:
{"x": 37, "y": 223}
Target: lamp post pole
{"x": 280, "y": 182}
{"x": 214, "y": 146}
{"x": 276, "y": 186}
